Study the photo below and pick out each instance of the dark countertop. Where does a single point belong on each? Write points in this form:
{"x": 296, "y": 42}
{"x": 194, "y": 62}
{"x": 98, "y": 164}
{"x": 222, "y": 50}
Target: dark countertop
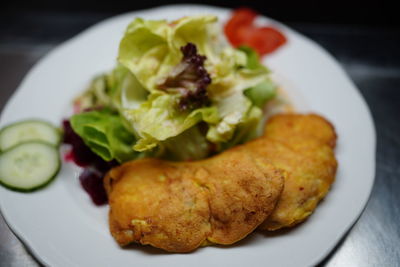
{"x": 370, "y": 56}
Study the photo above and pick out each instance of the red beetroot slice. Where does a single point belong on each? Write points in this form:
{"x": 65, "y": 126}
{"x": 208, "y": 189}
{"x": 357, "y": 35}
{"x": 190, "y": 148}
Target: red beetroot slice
{"x": 92, "y": 181}
{"x": 95, "y": 167}
{"x": 80, "y": 153}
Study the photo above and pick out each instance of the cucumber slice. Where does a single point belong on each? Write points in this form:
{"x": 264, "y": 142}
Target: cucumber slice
{"x": 29, "y": 166}
{"x": 28, "y": 130}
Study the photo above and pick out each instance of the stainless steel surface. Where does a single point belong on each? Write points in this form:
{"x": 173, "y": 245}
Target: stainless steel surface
{"x": 14, "y": 63}
{"x": 12, "y": 251}
{"x": 372, "y": 61}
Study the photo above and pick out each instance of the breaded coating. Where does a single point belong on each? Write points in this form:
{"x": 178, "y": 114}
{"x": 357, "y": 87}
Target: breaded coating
{"x": 294, "y": 128}
{"x": 302, "y": 146}
{"x": 181, "y": 206}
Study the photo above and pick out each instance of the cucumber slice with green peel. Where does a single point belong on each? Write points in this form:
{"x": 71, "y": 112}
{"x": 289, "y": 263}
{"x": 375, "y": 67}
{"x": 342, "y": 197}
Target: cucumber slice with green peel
{"x": 29, "y": 166}
{"x": 28, "y": 130}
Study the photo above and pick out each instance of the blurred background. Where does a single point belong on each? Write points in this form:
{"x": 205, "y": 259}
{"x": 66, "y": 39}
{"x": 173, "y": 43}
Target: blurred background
{"x": 364, "y": 36}
{"x": 355, "y": 12}
{"x": 54, "y": 20}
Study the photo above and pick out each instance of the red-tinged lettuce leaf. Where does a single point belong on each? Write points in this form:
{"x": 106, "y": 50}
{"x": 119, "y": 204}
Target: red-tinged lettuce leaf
{"x": 189, "y": 79}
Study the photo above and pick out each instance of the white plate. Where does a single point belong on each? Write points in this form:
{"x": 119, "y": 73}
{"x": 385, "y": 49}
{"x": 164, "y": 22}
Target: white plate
{"x": 61, "y": 226}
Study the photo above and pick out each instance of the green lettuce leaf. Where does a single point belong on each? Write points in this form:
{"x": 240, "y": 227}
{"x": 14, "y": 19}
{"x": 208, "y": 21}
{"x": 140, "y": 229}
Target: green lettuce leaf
{"x": 247, "y": 129}
{"x": 232, "y": 109}
{"x": 151, "y": 49}
{"x": 114, "y": 90}
{"x": 158, "y": 119}
{"x": 96, "y": 95}
{"x": 253, "y": 60}
{"x": 189, "y": 145}
{"x": 125, "y": 91}
{"x": 104, "y": 133}
{"x": 261, "y": 93}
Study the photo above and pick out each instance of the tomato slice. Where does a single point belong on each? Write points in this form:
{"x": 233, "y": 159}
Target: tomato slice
{"x": 244, "y": 33}
{"x": 240, "y": 31}
{"x": 241, "y": 18}
{"x": 265, "y": 40}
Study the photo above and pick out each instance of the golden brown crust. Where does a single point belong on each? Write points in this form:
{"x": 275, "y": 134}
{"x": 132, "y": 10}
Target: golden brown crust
{"x": 153, "y": 203}
{"x": 243, "y": 191}
{"x": 302, "y": 146}
{"x": 179, "y": 206}
{"x": 294, "y": 127}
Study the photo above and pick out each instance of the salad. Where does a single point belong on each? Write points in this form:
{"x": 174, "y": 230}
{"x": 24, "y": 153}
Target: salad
{"x": 179, "y": 91}
{"x": 173, "y": 94}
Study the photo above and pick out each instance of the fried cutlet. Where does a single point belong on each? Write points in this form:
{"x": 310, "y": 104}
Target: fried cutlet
{"x": 302, "y": 147}
{"x": 181, "y": 206}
